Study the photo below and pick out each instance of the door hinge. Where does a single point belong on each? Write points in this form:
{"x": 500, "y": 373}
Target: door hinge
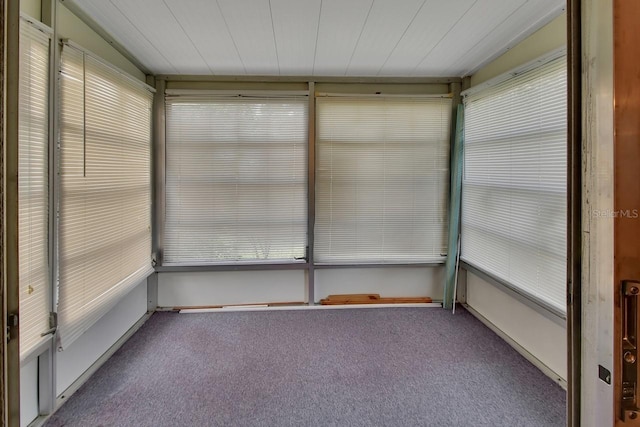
{"x": 12, "y": 322}
{"x": 53, "y": 325}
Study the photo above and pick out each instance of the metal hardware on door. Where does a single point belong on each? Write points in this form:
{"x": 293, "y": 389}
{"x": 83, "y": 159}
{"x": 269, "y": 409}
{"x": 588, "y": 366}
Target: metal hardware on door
{"x": 630, "y": 328}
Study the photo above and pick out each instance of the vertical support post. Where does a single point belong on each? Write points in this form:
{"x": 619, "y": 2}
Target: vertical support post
{"x": 311, "y": 193}
{"x": 46, "y": 361}
{"x": 11, "y": 268}
{"x": 3, "y": 319}
{"x": 574, "y": 210}
{"x": 152, "y": 281}
{"x": 596, "y": 294}
{"x": 158, "y": 156}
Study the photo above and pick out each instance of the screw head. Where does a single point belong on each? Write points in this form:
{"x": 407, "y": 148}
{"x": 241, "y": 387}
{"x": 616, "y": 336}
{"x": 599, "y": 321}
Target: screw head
{"x": 633, "y": 415}
{"x": 634, "y": 290}
{"x": 629, "y": 357}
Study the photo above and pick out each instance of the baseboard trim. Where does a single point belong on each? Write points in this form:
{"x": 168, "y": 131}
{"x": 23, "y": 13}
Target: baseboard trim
{"x": 65, "y": 395}
{"x": 523, "y": 351}
{"x": 300, "y": 307}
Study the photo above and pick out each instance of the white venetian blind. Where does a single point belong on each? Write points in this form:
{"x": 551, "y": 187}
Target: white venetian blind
{"x": 514, "y": 187}
{"x": 33, "y": 186}
{"x": 105, "y": 189}
{"x": 236, "y": 179}
{"x": 382, "y": 179}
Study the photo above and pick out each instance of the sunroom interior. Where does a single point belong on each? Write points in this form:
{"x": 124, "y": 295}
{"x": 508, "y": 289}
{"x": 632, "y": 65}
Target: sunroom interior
{"x": 250, "y": 156}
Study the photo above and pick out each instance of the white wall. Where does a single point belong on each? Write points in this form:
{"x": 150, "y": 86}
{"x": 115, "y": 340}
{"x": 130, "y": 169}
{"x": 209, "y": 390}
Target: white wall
{"x": 535, "y": 332}
{"x": 31, "y": 8}
{"x": 82, "y": 353}
{"x": 28, "y": 392}
{"x": 388, "y": 282}
{"x": 210, "y": 288}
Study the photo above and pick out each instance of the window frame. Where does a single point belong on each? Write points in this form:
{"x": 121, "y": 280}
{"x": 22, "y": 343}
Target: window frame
{"x": 234, "y": 91}
{"x": 539, "y": 304}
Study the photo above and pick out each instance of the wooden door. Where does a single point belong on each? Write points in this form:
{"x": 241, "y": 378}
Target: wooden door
{"x": 626, "y": 67}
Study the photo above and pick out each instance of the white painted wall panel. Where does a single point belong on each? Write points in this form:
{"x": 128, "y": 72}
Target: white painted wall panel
{"x": 386, "y": 281}
{"x": 29, "y": 392}
{"x": 207, "y": 288}
{"x": 31, "y": 8}
{"x": 536, "y": 333}
{"x": 77, "y": 358}
{"x": 251, "y": 287}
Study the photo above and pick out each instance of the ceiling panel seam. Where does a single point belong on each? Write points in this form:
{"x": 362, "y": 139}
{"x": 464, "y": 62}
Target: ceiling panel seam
{"x": 487, "y": 35}
{"x": 273, "y": 32}
{"x": 143, "y": 36}
{"x": 364, "y": 24}
{"x": 188, "y": 37}
{"x": 401, "y": 37}
{"x": 514, "y": 41}
{"x": 226, "y": 24}
{"x": 315, "y": 49}
{"x": 443, "y": 37}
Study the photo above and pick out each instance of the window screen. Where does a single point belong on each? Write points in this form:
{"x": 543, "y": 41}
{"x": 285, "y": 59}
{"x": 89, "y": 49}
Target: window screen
{"x": 236, "y": 179}
{"x": 105, "y": 189}
{"x": 382, "y": 179}
{"x": 514, "y": 185}
{"x": 33, "y": 186}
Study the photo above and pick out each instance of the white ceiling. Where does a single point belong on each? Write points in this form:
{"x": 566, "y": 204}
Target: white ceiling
{"x": 401, "y": 38}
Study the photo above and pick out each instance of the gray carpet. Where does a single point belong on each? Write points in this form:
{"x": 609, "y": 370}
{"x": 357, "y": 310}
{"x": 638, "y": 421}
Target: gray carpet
{"x": 353, "y": 367}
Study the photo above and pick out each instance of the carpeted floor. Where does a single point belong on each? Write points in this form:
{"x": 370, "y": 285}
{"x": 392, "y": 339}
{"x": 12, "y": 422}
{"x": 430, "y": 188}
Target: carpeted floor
{"x": 350, "y": 367}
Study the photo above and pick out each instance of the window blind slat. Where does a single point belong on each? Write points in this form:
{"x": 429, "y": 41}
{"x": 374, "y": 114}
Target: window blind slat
{"x": 105, "y": 200}
{"x": 33, "y": 187}
{"x": 514, "y": 184}
{"x": 382, "y": 179}
{"x": 236, "y": 179}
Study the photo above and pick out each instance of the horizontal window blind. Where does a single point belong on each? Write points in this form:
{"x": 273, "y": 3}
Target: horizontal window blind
{"x": 382, "y": 179}
{"x": 33, "y": 187}
{"x": 105, "y": 190}
{"x": 236, "y": 179}
{"x": 514, "y": 185}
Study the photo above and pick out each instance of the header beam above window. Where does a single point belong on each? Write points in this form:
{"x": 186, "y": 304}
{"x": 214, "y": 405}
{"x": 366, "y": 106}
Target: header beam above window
{"x": 234, "y": 93}
{"x": 303, "y": 79}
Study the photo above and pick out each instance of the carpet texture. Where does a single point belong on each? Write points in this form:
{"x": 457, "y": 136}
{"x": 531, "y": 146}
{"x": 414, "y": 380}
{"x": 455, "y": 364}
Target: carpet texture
{"x": 349, "y": 367}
